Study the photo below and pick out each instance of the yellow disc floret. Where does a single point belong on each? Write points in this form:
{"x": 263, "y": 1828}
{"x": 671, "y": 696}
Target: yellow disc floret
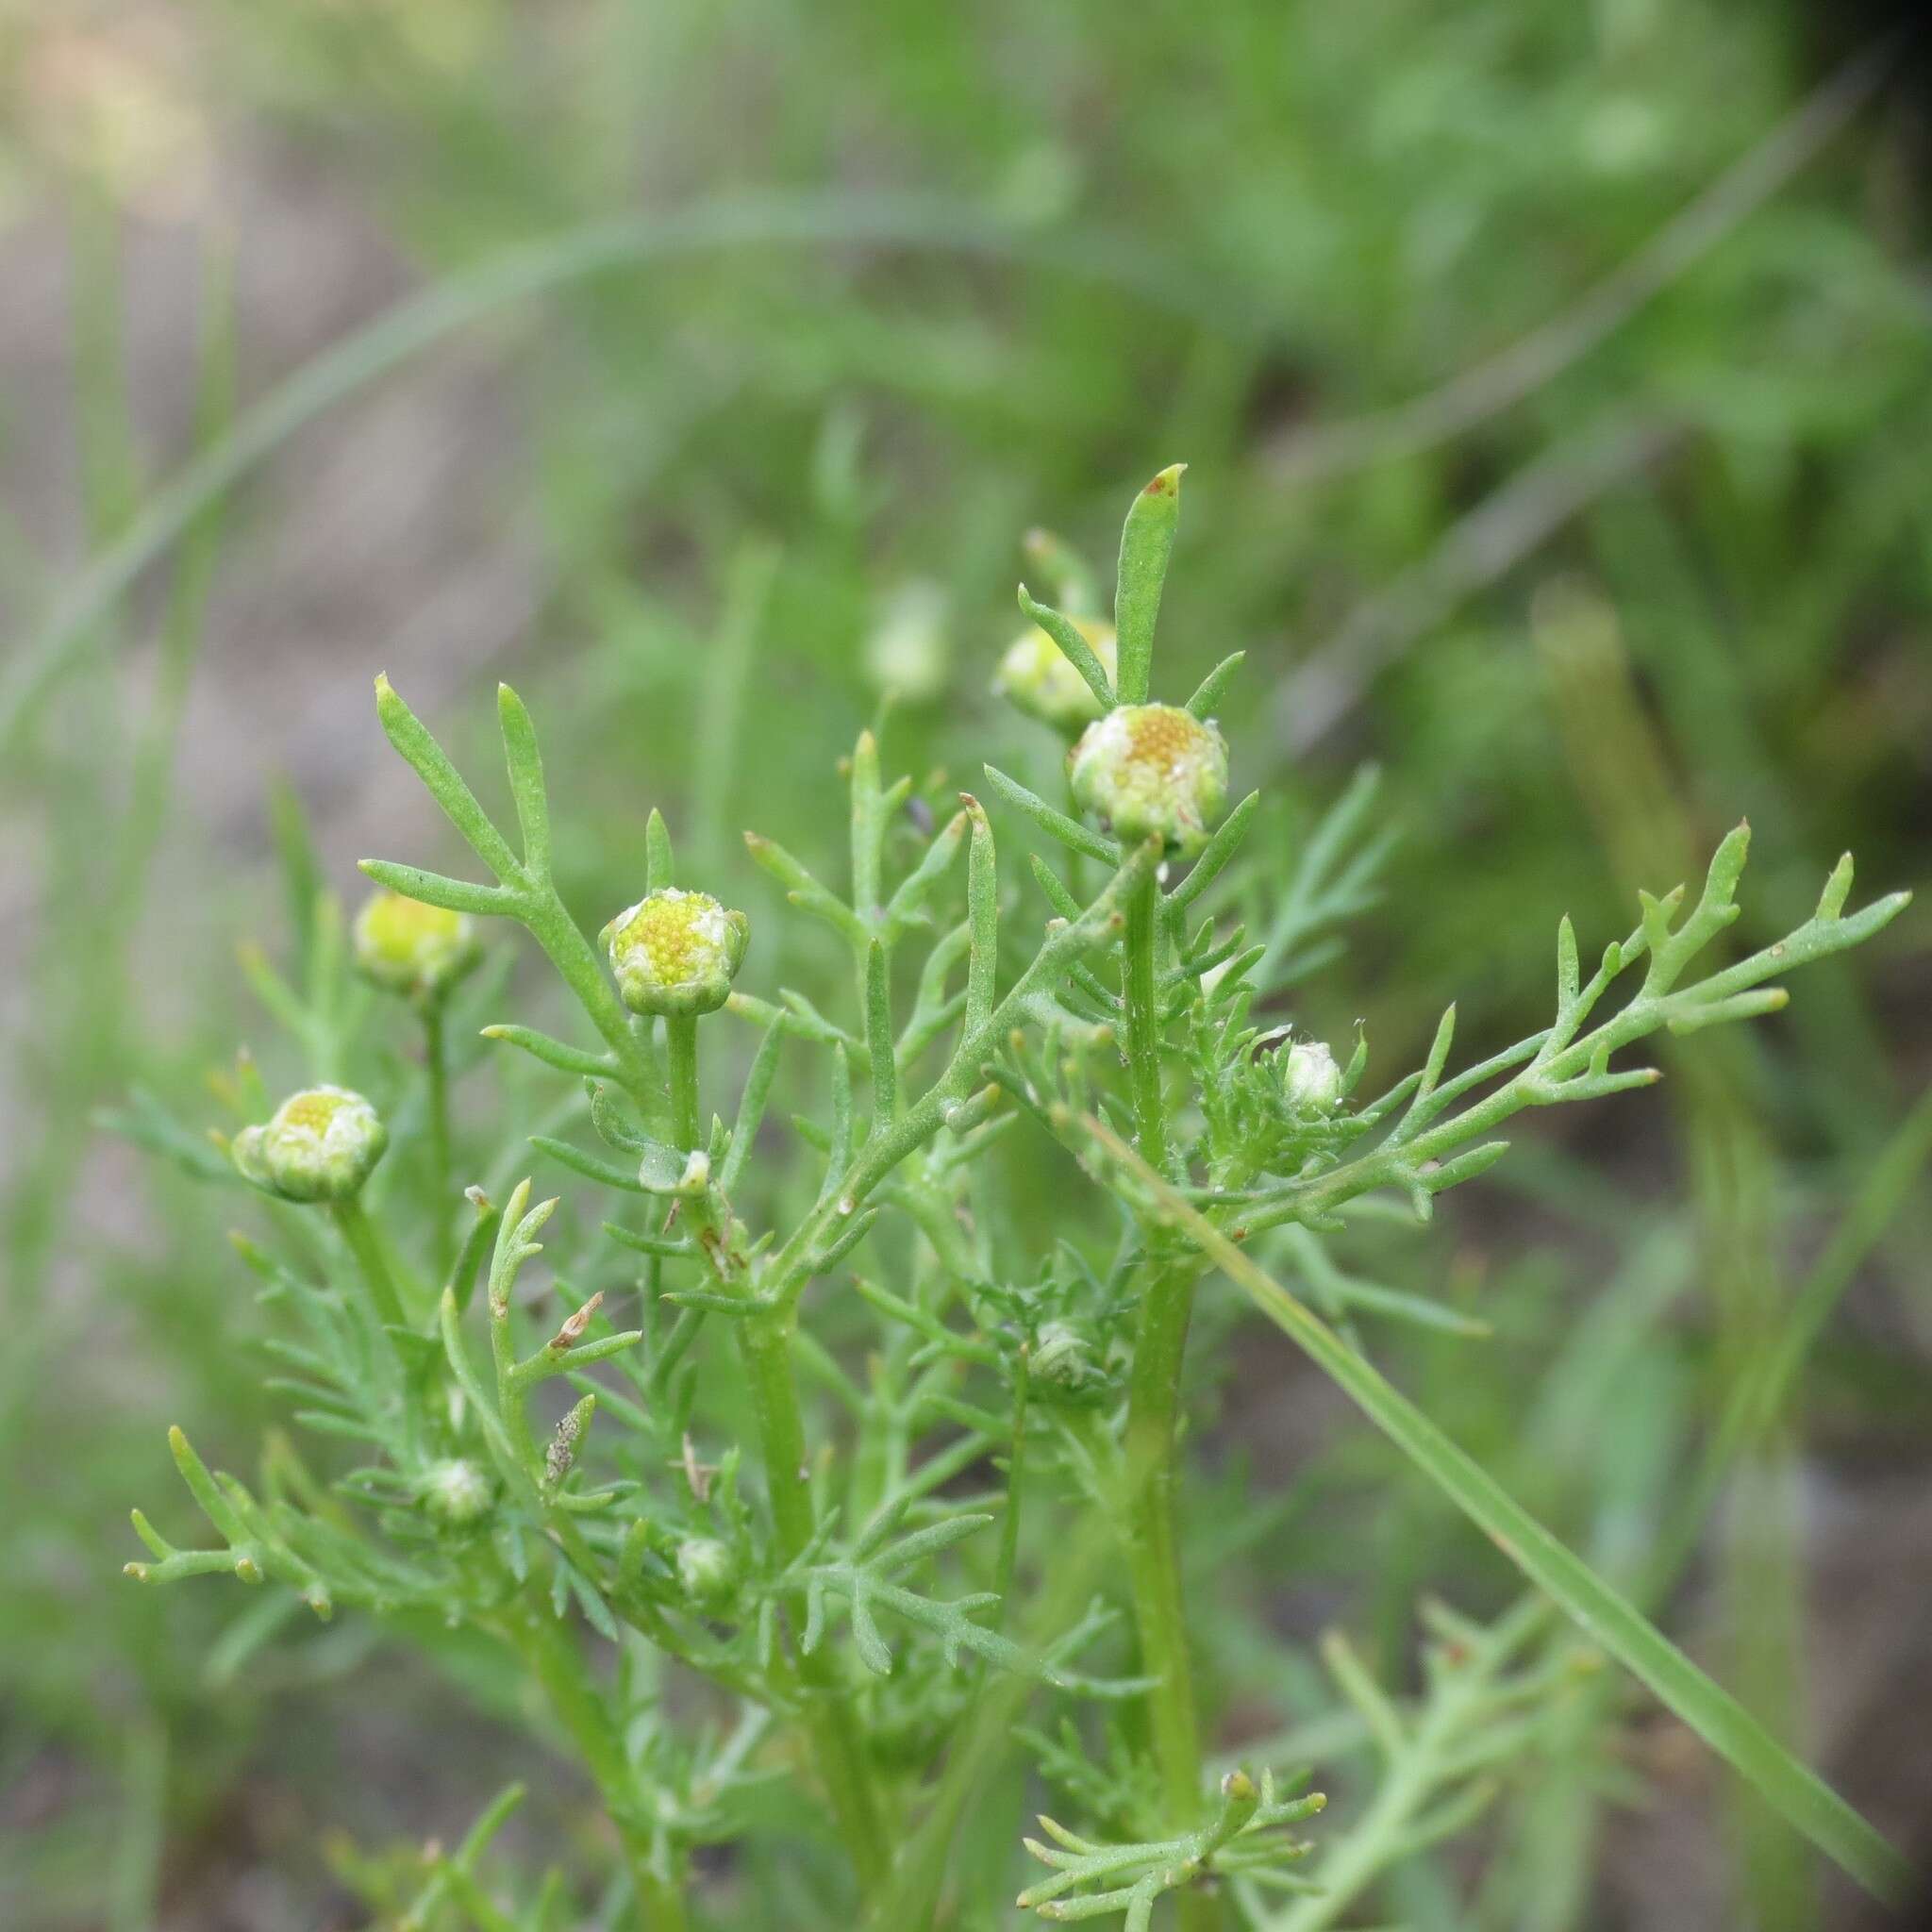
{"x": 1153, "y": 770}
{"x": 319, "y": 1146}
{"x": 675, "y": 952}
{"x": 413, "y": 948}
{"x": 1036, "y": 675}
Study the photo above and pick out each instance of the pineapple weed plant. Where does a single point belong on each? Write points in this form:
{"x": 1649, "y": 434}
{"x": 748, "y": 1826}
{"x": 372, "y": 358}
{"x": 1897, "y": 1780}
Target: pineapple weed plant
{"x": 730, "y": 1557}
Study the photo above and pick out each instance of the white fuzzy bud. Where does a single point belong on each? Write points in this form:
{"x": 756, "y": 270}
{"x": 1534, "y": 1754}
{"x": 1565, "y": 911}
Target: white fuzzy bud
{"x": 458, "y": 1492}
{"x": 708, "y": 1570}
{"x": 1311, "y": 1080}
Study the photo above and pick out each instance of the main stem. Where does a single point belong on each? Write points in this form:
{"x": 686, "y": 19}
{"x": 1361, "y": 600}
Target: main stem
{"x": 559, "y": 1665}
{"x": 1154, "y": 1386}
{"x": 765, "y": 1344}
{"x": 838, "y": 1750}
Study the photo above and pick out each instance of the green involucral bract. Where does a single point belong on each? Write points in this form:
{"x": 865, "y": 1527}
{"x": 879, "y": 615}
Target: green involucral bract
{"x": 675, "y": 952}
{"x": 319, "y": 1144}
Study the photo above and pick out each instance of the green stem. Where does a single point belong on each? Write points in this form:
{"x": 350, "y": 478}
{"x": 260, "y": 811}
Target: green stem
{"x": 1143, "y": 1023}
{"x": 358, "y": 1233}
{"x": 559, "y": 1665}
{"x": 681, "y": 1039}
{"x": 785, "y": 1275}
{"x": 1154, "y": 1389}
{"x": 765, "y": 1341}
{"x": 831, "y": 1725}
{"x": 436, "y": 1059}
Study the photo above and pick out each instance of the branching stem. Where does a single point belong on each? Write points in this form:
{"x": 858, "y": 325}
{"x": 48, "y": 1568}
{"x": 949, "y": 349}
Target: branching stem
{"x": 765, "y": 1344}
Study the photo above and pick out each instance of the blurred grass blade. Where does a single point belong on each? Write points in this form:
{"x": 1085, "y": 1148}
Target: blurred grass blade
{"x": 134, "y": 1871}
{"x": 928, "y": 223}
{"x": 1712, "y": 1712}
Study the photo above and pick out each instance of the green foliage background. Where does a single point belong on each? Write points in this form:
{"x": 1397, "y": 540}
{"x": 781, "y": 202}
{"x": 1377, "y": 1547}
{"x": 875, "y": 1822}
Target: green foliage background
{"x": 1675, "y": 576}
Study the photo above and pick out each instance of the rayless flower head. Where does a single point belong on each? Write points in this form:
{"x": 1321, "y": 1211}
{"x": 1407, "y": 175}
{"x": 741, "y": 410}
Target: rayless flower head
{"x": 1153, "y": 770}
{"x": 1037, "y": 677}
{"x": 412, "y": 948}
{"x": 675, "y": 952}
{"x": 458, "y": 1492}
{"x": 1311, "y": 1080}
{"x": 319, "y": 1144}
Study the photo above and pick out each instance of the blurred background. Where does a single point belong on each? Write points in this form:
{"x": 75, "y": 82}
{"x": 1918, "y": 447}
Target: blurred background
{"x": 1557, "y": 383}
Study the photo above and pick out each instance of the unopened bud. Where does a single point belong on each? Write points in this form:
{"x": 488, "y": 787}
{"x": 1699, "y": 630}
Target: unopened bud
{"x": 319, "y": 1146}
{"x": 1153, "y": 770}
{"x": 412, "y": 948}
{"x": 1063, "y": 1358}
{"x": 1311, "y": 1080}
{"x": 675, "y": 952}
{"x": 458, "y": 1492}
{"x": 708, "y": 1570}
{"x": 1035, "y": 675}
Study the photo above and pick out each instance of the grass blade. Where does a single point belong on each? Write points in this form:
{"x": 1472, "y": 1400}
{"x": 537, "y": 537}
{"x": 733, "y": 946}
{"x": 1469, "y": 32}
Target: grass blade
{"x": 1803, "y": 1799}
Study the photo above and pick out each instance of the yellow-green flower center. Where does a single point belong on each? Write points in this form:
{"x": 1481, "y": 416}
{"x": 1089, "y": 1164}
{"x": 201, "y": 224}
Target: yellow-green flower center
{"x": 677, "y": 937}
{"x": 309, "y": 1112}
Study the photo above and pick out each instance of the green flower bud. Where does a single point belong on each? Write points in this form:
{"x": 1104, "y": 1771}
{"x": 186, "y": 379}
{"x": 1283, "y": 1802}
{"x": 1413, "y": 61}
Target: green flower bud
{"x": 1064, "y": 1358}
{"x": 412, "y": 948}
{"x": 1035, "y": 675}
{"x": 319, "y": 1146}
{"x": 1153, "y": 770}
{"x": 1311, "y": 1080}
{"x": 708, "y": 1570}
{"x": 458, "y": 1492}
{"x": 675, "y": 952}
